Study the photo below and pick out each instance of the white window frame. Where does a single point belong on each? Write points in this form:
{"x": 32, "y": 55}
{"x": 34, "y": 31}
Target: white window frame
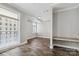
{"x": 34, "y": 27}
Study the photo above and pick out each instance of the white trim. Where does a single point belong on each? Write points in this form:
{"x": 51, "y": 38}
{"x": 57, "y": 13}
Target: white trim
{"x": 64, "y": 39}
{"x": 66, "y": 46}
{"x": 66, "y": 9}
{"x": 43, "y": 36}
{"x": 47, "y": 21}
{"x": 51, "y": 46}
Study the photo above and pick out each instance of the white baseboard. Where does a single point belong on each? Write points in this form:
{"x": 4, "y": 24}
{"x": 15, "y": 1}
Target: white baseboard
{"x": 66, "y": 46}
{"x": 44, "y": 36}
{"x": 51, "y": 47}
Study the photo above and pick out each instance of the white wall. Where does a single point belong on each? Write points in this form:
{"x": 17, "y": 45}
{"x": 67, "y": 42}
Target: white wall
{"x": 25, "y": 28}
{"x": 44, "y": 29}
{"x": 66, "y": 24}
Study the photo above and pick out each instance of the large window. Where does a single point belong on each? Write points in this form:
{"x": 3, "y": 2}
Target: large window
{"x": 8, "y": 27}
{"x": 34, "y": 27}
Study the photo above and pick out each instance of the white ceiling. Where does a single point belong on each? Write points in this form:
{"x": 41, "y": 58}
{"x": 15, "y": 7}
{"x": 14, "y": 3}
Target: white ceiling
{"x": 65, "y": 5}
{"x": 38, "y": 10}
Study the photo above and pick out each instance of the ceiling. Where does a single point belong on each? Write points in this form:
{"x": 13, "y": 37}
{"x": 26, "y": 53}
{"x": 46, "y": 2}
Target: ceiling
{"x": 39, "y": 10}
{"x": 65, "y": 5}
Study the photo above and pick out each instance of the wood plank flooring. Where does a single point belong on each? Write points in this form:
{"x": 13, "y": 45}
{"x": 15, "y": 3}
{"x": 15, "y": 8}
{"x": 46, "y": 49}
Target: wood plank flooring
{"x": 40, "y": 47}
{"x": 36, "y": 47}
{"x": 61, "y": 51}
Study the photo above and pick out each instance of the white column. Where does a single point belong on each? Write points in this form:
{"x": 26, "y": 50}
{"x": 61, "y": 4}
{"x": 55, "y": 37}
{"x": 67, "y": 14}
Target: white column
{"x": 51, "y": 30}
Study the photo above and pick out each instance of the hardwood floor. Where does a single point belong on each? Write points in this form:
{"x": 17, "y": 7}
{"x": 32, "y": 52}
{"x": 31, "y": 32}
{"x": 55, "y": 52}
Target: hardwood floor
{"x": 40, "y": 47}
{"x": 61, "y": 51}
{"x": 36, "y": 47}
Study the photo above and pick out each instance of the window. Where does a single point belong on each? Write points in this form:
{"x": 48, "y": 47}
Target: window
{"x": 14, "y": 28}
{"x": 10, "y": 24}
{"x": 8, "y": 27}
{"x": 34, "y": 27}
{"x": 0, "y": 18}
{"x": 6, "y": 24}
{"x": 14, "y": 24}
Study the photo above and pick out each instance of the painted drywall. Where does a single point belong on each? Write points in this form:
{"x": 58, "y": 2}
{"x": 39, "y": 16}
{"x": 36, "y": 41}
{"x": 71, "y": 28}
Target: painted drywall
{"x": 45, "y": 28}
{"x": 25, "y": 28}
{"x": 66, "y": 25}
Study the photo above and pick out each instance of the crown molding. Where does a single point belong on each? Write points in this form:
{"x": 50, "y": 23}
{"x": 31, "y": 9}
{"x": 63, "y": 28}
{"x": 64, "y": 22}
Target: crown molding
{"x": 66, "y": 9}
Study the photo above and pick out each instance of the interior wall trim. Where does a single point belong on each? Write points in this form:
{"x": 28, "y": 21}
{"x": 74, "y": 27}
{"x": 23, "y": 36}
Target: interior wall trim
{"x": 65, "y": 37}
{"x": 9, "y": 17}
{"x": 66, "y": 9}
